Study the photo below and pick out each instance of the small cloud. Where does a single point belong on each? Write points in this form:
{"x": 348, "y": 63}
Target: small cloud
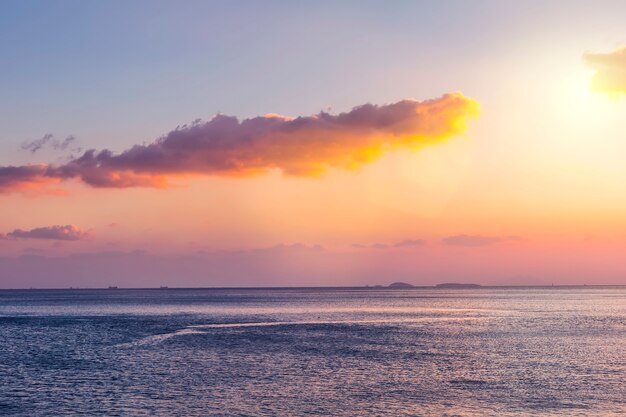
{"x": 409, "y": 243}
{"x": 402, "y": 244}
{"x": 610, "y": 76}
{"x": 291, "y": 248}
{"x": 476, "y": 240}
{"x": 66, "y": 233}
{"x": 35, "y": 145}
{"x": 48, "y": 139}
{"x": 379, "y": 246}
{"x": 65, "y": 144}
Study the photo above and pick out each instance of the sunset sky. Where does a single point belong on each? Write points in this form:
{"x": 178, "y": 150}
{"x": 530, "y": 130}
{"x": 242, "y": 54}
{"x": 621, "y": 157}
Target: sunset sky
{"x": 150, "y": 143}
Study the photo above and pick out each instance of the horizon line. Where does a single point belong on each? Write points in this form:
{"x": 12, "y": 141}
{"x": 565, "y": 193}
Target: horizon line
{"x": 367, "y": 287}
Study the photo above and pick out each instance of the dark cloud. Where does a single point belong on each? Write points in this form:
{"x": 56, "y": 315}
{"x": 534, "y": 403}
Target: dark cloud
{"x": 610, "y": 76}
{"x": 48, "y": 139}
{"x": 37, "y": 144}
{"x": 68, "y": 232}
{"x": 476, "y": 240}
{"x": 225, "y": 146}
{"x": 23, "y": 177}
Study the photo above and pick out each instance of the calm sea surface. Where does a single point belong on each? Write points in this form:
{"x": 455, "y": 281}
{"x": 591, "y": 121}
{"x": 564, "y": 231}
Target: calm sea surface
{"x": 328, "y": 352}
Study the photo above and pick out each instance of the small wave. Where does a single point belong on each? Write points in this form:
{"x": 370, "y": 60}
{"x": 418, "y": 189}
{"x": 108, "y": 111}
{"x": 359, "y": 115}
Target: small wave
{"x": 194, "y": 329}
{"x": 158, "y": 338}
{"x": 324, "y": 322}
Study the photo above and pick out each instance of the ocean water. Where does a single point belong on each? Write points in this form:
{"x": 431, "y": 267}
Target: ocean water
{"x": 324, "y": 352}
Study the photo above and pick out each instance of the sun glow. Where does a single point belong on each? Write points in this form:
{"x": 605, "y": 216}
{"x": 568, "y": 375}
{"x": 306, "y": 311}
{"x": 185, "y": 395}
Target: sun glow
{"x": 580, "y": 101}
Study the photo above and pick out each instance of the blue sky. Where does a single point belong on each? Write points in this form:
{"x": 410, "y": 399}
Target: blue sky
{"x": 117, "y": 73}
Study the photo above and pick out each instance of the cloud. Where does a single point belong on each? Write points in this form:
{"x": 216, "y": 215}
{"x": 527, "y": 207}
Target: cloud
{"x": 37, "y": 144}
{"x": 68, "y": 232}
{"x": 224, "y": 146}
{"x": 610, "y": 76}
{"x": 25, "y": 177}
{"x": 48, "y": 139}
{"x": 476, "y": 240}
{"x": 379, "y": 246}
{"x": 287, "y": 248}
{"x": 409, "y": 243}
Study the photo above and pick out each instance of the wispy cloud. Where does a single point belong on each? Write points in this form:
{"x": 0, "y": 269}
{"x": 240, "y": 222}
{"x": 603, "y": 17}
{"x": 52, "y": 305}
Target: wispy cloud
{"x": 68, "y": 232}
{"x": 225, "y": 146}
{"x": 408, "y": 243}
{"x": 476, "y": 240}
{"x": 287, "y": 248}
{"x": 379, "y": 246}
{"x": 610, "y": 76}
{"x": 49, "y": 140}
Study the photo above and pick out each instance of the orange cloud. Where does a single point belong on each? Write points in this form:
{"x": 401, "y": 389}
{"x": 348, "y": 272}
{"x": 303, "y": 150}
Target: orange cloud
{"x": 225, "y": 146}
{"x": 610, "y": 76}
{"x": 24, "y": 178}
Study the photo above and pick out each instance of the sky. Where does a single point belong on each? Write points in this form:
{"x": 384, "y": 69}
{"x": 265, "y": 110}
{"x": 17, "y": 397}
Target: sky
{"x": 220, "y": 143}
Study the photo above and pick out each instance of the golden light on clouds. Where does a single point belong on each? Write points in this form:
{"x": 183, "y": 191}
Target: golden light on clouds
{"x": 227, "y": 147}
{"x": 610, "y": 75}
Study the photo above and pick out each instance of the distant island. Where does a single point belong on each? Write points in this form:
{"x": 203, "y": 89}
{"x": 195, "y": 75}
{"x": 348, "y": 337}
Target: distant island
{"x": 404, "y": 285}
{"x": 456, "y": 285}
{"x": 401, "y": 285}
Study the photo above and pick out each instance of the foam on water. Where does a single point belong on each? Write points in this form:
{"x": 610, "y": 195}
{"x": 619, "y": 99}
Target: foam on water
{"x": 193, "y": 330}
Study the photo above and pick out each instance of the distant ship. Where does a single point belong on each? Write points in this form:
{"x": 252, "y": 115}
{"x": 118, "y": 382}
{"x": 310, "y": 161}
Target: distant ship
{"x": 163, "y": 287}
{"x": 112, "y": 287}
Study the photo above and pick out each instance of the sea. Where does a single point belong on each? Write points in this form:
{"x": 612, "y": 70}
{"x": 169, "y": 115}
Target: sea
{"x": 509, "y": 351}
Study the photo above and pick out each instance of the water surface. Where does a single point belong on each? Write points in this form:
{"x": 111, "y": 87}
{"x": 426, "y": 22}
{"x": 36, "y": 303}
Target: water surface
{"x": 431, "y": 352}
